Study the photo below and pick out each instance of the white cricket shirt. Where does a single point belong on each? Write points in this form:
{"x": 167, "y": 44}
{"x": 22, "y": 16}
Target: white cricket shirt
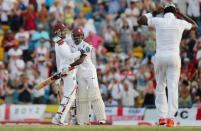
{"x": 87, "y": 67}
{"x": 169, "y": 32}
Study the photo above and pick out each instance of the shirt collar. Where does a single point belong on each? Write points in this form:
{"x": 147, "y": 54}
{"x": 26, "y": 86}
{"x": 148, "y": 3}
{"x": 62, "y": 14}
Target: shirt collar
{"x": 169, "y": 15}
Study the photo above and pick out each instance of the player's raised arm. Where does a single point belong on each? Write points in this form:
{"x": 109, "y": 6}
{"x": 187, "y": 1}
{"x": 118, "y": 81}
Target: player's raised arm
{"x": 143, "y": 20}
{"x": 186, "y": 18}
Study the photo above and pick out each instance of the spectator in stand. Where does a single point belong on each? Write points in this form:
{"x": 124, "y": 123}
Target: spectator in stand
{"x": 56, "y": 9}
{"x": 29, "y": 70}
{"x": 30, "y": 16}
{"x": 116, "y": 87}
{"x": 16, "y": 18}
{"x": 43, "y": 16}
{"x": 185, "y": 97}
{"x": 147, "y": 5}
{"x": 191, "y": 45}
{"x": 149, "y": 95}
{"x": 111, "y": 102}
{"x": 106, "y": 22}
{"x": 41, "y": 58}
{"x": 94, "y": 39}
{"x": 142, "y": 77}
{"x": 89, "y": 27}
{"x": 113, "y": 6}
{"x": 25, "y": 90}
{"x": 8, "y": 40}
{"x": 101, "y": 9}
{"x": 193, "y": 9}
{"x": 38, "y": 95}
{"x": 182, "y": 5}
{"x": 37, "y": 35}
{"x": 23, "y": 37}
{"x": 68, "y": 15}
{"x": 122, "y": 6}
{"x": 86, "y": 9}
{"x": 125, "y": 36}
{"x": 110, "y": 74}
{"x": 16, "y": 63}
{"x": 128, "y": 95}
{"x": 110, "y": 37}
{"x": 133, "y": 12}
{"x": 150, "y": 43}
{"x": 6, "y": 7}
{"x": 127, "y": 72}
{"x": 188, "y": 69}
{"x": 9, "y": 94}
{"x": 104, "y": 90}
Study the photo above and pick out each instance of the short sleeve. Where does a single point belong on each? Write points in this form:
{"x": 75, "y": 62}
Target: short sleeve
{"x": 151, "y": 21}
{"x": 186, "y": 25}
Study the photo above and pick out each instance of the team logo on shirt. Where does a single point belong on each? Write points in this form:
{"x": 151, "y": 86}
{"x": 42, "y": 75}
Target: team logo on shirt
{"x": 87, "y": 49}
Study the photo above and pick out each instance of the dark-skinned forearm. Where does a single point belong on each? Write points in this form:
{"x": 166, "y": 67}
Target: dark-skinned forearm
{"x": 79, "y": 61}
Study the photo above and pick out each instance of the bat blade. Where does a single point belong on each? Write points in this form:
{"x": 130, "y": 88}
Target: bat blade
{"x": 48, "y": 81}
{"x": 44, "y": 83}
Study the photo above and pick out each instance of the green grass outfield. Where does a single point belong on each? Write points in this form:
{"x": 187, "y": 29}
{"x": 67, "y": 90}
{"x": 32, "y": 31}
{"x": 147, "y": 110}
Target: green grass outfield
{"x": 92, "y": 128}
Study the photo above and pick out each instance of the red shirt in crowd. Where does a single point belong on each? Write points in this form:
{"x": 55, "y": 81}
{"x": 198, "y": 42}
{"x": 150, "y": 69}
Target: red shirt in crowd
{"x": 30, "y": 19}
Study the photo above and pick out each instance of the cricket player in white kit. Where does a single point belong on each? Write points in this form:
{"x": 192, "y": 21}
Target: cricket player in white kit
{"x": 64, "y": 57}
{"x": 167, "y": 62}
{"x": 88, "y": 89}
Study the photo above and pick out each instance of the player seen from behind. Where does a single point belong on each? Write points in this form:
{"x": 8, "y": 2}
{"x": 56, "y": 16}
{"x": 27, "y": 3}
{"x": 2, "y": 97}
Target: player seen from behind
{"x": 167, "y": 61}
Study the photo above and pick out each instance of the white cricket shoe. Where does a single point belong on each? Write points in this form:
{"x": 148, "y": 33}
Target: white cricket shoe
{"x": 56, "y": 121}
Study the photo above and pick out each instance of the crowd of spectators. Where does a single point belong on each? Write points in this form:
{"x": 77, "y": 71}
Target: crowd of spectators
{"x": 124, "y": 50}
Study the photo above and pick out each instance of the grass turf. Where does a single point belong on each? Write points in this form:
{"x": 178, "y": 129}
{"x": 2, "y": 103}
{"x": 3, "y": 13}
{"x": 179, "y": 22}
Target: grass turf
{"x": 92, "y": 128}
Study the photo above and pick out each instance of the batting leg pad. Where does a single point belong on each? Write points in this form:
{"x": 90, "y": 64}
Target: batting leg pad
{"x": 68, "y": 105}
{"x": 83, "y": 112}
{"x": 99, "y": 109}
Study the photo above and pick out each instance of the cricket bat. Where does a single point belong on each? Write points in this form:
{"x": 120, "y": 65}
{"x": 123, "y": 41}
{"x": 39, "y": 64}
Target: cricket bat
{"x": 51, "y": 79}
{"x": 48, "y": 81}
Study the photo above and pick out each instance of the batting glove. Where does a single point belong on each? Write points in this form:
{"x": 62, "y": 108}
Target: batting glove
{"x": 64, "y": 71}
{"x": 58, "y": 81}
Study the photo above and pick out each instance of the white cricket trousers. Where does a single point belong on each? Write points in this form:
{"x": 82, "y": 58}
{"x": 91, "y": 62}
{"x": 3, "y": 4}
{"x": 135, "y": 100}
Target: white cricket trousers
{"x": 167, "y": 73}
